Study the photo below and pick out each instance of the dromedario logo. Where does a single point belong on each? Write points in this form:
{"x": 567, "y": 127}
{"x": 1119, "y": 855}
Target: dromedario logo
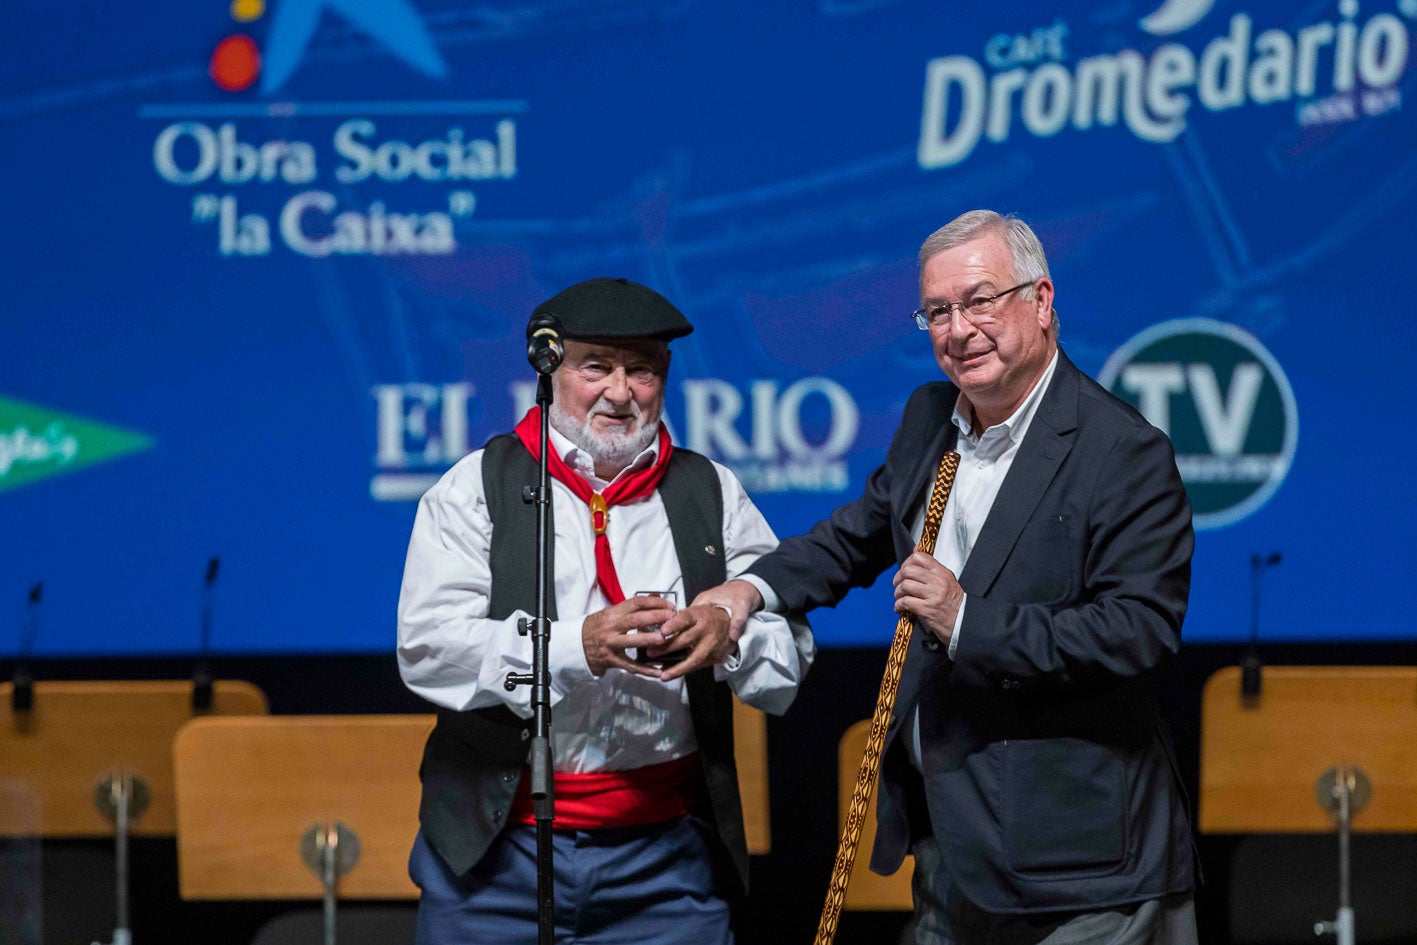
{"x": 1043, "y": 80}
{"x": 1173, "y": 16}
{"x": 1224, "y": 401}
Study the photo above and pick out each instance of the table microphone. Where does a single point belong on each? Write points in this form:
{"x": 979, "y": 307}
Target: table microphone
{"x": 22, "y": 683}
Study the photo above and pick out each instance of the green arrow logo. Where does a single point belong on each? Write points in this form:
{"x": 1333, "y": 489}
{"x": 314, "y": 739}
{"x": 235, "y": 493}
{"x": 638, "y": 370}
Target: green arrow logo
{"x": 36, "y": 443}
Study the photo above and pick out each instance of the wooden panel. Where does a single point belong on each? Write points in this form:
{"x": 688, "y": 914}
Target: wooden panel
{"x": 750, "y": 751}
{"x": 1260, "y": 758}
{"x": 78, "y": 732}
{"x": 867, "y": 890}
{"x": 248, "y": 789}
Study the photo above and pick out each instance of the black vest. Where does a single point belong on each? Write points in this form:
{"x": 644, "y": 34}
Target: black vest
{"x": 473, "y": 760}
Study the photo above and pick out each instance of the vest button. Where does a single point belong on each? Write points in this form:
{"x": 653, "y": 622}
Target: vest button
{"x": 930, "y": 643}
{"x": 497, "y": 815}
{"x": 508, "y": 775}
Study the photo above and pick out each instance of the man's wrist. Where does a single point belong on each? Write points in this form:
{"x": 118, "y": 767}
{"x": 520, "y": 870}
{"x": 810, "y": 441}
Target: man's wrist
{"x": 958, "y": 622}
{"x": 764, "y": 599}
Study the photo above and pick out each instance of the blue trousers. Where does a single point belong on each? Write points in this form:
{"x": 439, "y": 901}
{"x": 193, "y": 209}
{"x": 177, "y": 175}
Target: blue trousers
{"x": 655, "y": 885}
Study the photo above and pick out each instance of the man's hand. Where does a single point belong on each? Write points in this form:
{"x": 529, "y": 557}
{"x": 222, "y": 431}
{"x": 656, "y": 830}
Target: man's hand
{"x": 606, "y": 634}
{"x": 741, "y": 597}
{"x": 703, "y": 632}
{"x": 929, "y": 590}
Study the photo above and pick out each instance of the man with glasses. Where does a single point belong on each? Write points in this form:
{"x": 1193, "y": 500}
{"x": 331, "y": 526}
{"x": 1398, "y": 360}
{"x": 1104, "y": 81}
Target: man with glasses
{"x": 1027, "y": 765}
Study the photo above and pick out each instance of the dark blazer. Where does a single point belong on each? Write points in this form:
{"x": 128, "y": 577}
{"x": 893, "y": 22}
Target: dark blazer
{"x": 1049, "y": 781}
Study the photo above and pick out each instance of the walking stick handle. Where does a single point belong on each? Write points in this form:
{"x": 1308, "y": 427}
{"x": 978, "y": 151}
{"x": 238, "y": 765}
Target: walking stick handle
{"x": 870, "y": 768}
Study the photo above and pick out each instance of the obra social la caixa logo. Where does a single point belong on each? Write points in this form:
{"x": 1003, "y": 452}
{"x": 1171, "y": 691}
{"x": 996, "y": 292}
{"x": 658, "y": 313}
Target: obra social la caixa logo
{"x": 1225, "y": 403}
{"x": 361, "y": 178}
{"x": 237, "y": 62}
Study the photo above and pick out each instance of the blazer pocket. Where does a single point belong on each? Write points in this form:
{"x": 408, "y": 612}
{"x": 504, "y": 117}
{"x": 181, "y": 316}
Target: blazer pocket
{"x": 1064, "y": 805}
{"x": 1047, "y": 561}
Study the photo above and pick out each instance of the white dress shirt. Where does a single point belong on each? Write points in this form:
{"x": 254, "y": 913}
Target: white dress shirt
{"x": 453, "y": 655}
{"x": 984, "y": 460}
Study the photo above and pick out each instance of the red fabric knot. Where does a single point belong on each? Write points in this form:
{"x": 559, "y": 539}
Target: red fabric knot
{"x": 629, "y": 488}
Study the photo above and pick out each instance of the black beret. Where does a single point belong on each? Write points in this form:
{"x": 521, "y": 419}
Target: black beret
{"x": 615, "y": 308}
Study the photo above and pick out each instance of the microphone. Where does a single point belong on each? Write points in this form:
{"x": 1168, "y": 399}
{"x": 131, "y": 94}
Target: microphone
{"x": 202, "y": 678}
{"x": 22, "y": 689}
{"x": 544, "y": 348}
{"x": 1251, "y": 666}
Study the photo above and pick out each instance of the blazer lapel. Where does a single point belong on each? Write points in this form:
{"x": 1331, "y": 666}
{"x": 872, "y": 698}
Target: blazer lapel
{"x": 1040, "y": 455}
{"x": 911, "y": 491}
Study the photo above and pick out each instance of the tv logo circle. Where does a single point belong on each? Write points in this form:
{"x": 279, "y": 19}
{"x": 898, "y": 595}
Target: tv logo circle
{"x": 1225, "y": 403}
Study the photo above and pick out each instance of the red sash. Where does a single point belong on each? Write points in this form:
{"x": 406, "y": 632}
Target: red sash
{"x": 637, "y": 485}
{"x": 600, "y": 799}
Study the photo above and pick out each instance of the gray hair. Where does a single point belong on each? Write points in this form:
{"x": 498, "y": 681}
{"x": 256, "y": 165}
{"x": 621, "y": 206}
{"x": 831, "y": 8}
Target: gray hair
{"x": 1026, "y": 257}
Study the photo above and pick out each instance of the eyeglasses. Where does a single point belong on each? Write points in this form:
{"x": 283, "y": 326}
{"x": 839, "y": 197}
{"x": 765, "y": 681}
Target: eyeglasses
{"x": 976, "y": 311}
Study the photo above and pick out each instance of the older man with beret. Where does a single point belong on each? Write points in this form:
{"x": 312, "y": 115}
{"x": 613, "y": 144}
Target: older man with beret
{"x": 648, "y": 837}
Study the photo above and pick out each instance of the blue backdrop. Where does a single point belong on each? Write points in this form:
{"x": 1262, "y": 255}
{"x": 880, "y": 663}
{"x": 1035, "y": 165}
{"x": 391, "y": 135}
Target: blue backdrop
{"x": 267, "y": 268}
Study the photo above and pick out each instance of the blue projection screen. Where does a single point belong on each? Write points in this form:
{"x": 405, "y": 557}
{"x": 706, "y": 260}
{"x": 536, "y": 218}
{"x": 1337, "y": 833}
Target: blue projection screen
{"x": 268, "y": 266}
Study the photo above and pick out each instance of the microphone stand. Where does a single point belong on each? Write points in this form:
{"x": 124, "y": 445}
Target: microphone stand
{"x": 202, "y": 679}
{"x": 22, "y": 687}
{"x": 1252, "y": 666}
{"x": 539, "y": 679}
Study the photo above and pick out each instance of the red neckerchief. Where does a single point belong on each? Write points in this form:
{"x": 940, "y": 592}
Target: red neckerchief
{"x": 636, "y": 485}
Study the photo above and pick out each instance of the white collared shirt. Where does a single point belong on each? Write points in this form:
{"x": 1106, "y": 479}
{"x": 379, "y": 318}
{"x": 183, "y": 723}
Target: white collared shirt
{"x": 984, "y": 461}
{"x": 453, "y": 655}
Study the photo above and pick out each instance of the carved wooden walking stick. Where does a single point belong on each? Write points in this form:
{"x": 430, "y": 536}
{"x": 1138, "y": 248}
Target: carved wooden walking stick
{"x": 867, "y": 775}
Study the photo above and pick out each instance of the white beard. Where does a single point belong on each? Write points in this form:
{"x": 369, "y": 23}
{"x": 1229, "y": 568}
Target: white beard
{"x": 615, "y": 449}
